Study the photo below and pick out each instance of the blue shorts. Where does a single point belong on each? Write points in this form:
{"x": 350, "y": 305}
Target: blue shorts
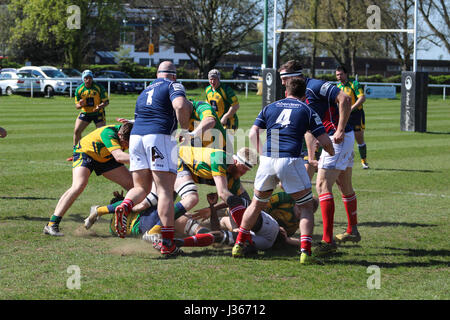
{"x": 96, "y": 116}
{"x": 357, "y": 120}
{"x": 83, "y": 160}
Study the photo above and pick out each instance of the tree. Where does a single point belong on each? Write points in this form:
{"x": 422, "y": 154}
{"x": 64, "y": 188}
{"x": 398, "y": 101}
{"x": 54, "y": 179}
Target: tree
{"x": 436, "y": 16}
{"x": 48, "y": 24}
{"x": 207, "y": 29}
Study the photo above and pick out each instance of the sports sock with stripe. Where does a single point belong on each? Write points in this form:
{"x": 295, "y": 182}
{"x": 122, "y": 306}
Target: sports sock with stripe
{"x": 326, "y": 201}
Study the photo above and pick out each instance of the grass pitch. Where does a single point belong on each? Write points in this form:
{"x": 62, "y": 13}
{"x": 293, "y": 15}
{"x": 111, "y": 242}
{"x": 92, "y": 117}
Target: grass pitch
{"x": 403, "y": 206}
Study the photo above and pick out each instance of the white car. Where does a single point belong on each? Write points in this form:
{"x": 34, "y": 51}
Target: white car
{"x": 52, "y": 80}
{"x": 20, "y": 82}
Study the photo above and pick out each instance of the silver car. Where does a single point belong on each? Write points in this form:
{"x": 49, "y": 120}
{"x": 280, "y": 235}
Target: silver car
{"x": 20, "y": 82}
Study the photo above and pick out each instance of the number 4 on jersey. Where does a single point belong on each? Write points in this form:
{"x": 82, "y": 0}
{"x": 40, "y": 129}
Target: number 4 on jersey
{"x": 283, "y": 118}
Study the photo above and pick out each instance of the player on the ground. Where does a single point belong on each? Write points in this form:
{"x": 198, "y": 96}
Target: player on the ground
{"x": 101, "y": 151}
{"x": 154, "y": 151}
{"x": 357, "y": 116}
{"x": 333, "y": 106}
{"x": 92, "y": 99}
{"x": 286, "y": 121}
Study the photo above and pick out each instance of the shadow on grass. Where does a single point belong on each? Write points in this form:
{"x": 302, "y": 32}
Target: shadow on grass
{"x": 379, "y": 224}
{"x": 437, "y": 132}
{"x": 406, "y": 170}
{"x": 27, "y": 198}
{"x": 75, "y": 217}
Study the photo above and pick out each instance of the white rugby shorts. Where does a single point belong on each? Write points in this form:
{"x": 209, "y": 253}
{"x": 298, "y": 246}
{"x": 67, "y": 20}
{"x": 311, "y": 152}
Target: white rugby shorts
{"x": 156, "y": 152}
{"x": 343, "y": 154}
{"x": 290, "y": 171}
{"x": 266, "y": 236}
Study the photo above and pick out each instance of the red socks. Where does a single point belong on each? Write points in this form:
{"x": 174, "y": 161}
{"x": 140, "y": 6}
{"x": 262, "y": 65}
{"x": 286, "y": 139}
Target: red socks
{"x": 244, "y": 235}
{"x": 167, "y": 233}
{"x": 327, "y": 207}
{"x": 305, "y": 243}
{"x": 237, "y": 213}
{"x": 199, "y": 240}
{"x": 350, "y": 208}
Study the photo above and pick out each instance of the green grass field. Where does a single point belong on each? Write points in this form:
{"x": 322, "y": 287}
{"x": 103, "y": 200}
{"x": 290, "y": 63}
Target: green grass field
{"x": 403, "y": 206}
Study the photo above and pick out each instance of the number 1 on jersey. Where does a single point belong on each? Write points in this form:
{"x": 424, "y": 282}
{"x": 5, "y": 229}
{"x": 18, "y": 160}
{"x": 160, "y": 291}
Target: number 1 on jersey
{"x": 150, "y": 96}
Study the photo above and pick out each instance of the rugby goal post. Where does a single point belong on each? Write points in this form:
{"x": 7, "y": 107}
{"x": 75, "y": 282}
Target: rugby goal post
{"x": 414, "y": 84}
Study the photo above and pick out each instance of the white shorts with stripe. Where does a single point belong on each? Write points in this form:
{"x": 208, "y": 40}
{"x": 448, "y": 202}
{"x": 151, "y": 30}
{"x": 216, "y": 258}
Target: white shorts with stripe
{"x": 343, "y": 154}
{"x": 266, "y": 236}
{"x": 156, "y": 152}
{"x": 290, "y": 171}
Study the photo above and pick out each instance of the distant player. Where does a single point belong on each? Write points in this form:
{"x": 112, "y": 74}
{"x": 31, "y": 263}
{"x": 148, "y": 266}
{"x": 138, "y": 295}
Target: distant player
{"x": 3, "y": 133}
{"x": 223, "y": 99}
{"x": 357, "y": 116}
{"x": 92, "y": 99}
{"x": 286, "y": 121}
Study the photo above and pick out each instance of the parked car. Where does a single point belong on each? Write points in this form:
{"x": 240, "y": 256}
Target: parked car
{"x": 121, "y": 86}
{"x": 246, "y": 73}
{"x": 51, "y": 79}
{"x": 20, "y": 82}
{"x": 71, "y": 73}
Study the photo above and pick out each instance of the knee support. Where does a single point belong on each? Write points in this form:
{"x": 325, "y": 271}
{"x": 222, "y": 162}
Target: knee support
{"x": 186, "y": 188}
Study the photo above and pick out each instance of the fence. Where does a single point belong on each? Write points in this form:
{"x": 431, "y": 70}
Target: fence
{"x": 70, "y": 87}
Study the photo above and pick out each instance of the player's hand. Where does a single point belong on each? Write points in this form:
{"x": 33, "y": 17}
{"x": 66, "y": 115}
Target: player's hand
{"x": 81, "y": 103}
{"x": 338, "y": 136}
{"x": 212, "y": 198}
{"x": 202, "y": 214}
{"x": 314, "y": 163}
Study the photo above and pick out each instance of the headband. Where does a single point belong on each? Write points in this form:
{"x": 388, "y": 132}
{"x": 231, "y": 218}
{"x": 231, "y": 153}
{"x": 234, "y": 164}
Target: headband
{"x": 291, "y": 74}
{"x": 168, "y": 71}
{"x": 241, "y": 160}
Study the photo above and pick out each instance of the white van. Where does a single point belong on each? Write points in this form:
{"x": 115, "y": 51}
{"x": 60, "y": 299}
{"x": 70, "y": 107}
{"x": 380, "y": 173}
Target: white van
{"x": 52, "y": 79}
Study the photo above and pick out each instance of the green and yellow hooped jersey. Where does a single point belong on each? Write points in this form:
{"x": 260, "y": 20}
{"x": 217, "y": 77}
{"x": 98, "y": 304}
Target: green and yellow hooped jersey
{"x": 221, "y": 100}
{"x": 100, "y": 143}
{"x": 205, "y": 163}
{"x": 200, "y": 111}
{"x": 93, "y": 96}
{"x": 281, "y": 208}
{"x": 353, "y": 89}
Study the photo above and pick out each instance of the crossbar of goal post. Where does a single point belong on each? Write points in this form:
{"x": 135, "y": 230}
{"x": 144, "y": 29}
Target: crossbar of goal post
{"x": 413, "y": 31}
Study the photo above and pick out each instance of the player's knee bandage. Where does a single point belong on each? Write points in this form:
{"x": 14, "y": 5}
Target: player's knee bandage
{"x": 152, "y": 199}
{"x": 186, "y": 188}
{"x": 304, "y": 199}
{"x": 261, "y": 199}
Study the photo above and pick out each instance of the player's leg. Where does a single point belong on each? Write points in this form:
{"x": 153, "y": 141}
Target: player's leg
{"x": 324, "y": 185}
{"x": 80, "y": 178}
{"x": 164, "y": 182}
{"x": 350, "y": 203}
{"x": 359, "y": 137}
{"x": 120, "y": 175}
{"x": 186, "y": 188}
{"x": 80, "y": 126}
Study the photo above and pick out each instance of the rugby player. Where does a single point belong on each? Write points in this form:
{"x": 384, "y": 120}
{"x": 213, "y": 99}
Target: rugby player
{"x": 92, "y": 99}
{"x": 286, "y": 121}
{"x": 102, "y": 151}
{"x": 333, "y": 107}
{"x": 357, "y": 116}
{"x": 153, "y": 150}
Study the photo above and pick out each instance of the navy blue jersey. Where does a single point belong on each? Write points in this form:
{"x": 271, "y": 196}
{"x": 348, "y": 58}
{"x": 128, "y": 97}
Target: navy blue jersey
{"x": 321, "y": 97}
{"x": 286, "y": 122}
{"x": 154, "y": 113}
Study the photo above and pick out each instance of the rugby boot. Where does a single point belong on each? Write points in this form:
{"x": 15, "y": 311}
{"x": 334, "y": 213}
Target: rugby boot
{"x": 306, "y": 259}
{"x": 344, "y": 237}
{"x": 325, "y": 248}
{"x": 92, "y": 218}
{"x": 237, "y": 251}
{"x": 170, "y": 250}
{"x": 121, "y": 213}
{"x": 364, "y": 164}
{"x": 53, "y": 230}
